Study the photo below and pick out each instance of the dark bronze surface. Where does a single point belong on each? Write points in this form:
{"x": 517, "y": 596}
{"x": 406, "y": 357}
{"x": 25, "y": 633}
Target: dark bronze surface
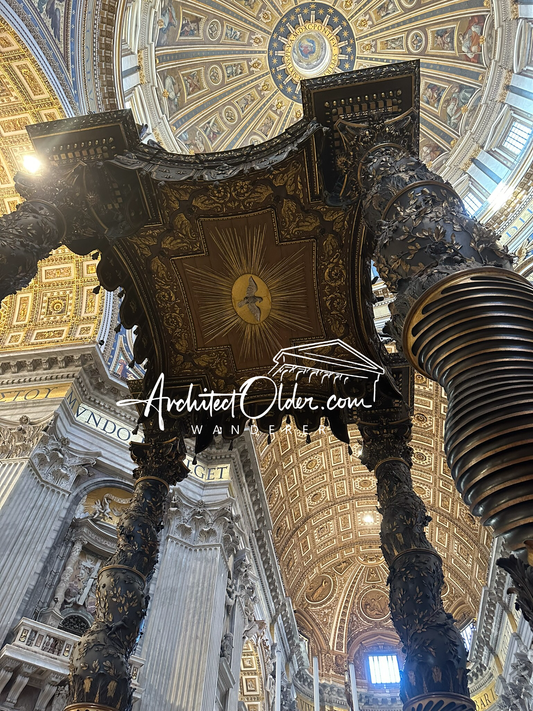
{"x": 473, "y": 334}
{"x": 463, "y": 318}
{"x": 522, "y": 576}
{"x": 389, "y": 90}
{"x": 99, "y": 667}
{"x": 421, "y": 230}
{"x": 435, "y": 654}
{"x": 165, "y": 224}
{"x": 440, "y": 702}
{"x": 27, "y": 236}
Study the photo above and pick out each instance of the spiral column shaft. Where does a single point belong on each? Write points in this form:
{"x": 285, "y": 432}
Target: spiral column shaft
{"x": 435, "y": 665}
{"x": 464, "y": 319}
{"x": 473, "y": 333}
{"x": 99, "y": 675}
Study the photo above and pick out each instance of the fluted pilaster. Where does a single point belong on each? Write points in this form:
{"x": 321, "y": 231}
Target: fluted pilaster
{"x": 36, "y": 476}
{"x": 185, "y": 626}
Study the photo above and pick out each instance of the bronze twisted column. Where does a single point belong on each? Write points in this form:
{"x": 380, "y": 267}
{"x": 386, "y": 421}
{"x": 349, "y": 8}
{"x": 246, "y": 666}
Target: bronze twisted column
{"x": 434, "y": 675}
{"x": 99, "y": 675}
{"x": 26, "y": 236}
{"x": 464, "y": 319}
{"x": 54, "y": 213}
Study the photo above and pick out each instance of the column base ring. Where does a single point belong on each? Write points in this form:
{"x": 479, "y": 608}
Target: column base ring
{"x": 440, "y": 700}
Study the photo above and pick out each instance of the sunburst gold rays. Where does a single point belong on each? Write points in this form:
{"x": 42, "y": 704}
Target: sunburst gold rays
{"x": 281, "y": 285}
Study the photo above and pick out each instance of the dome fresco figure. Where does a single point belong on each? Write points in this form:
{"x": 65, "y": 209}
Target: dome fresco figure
{"x": 330, "y": 39}
{"x": 471, "y": 40}
{"x": 309, "y": 48}
{"x": 328, "y": 205}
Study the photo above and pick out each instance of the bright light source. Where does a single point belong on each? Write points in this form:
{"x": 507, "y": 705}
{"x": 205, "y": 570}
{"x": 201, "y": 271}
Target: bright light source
{"x": 384, "y": 669}
{"x": 368, "y": 518}
{"x": 500, "y": 195}
{"x": 472, "y": 203}
{"x": 467, "y": 634}
{"x": 517, "y": 137}
{"x": 31, "y": 163}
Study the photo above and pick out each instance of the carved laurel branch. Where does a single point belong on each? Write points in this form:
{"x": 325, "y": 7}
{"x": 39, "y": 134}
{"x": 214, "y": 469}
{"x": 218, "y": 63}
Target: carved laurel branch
{"x": 436, "y": 657}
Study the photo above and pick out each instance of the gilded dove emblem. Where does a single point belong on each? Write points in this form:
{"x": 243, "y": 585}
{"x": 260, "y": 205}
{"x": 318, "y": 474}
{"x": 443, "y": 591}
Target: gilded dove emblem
{"x": 251, "y": 300}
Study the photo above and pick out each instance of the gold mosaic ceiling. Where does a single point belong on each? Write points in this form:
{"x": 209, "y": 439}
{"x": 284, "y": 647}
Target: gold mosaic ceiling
{"x": 228, "y": 72}
{"x": 326, "y": 533}
{"x": 25, "y": 97}
{"x": 59, "y": 306}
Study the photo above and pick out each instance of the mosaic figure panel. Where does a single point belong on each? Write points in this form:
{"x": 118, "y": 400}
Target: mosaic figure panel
{"x": 253, "y": 52}
{"x": 385, "y": 9}
{"x": 471, "y": 40}
{"x": 455, "y": 106}
{"x": 443, "y": 39}
{"x": 432, "y": 94}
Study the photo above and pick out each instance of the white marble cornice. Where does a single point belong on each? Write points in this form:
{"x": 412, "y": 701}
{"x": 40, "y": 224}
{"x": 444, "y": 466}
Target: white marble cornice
{"x": 86, "y": 530}
{"x": 98, "y": 389}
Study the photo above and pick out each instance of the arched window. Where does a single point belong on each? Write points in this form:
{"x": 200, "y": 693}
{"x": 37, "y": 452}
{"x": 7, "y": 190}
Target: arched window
{"x": 467, "y": 634}
{"x": 384, "y": 669}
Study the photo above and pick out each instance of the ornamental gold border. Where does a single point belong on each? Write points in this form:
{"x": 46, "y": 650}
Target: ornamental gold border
{"x": 330, "y": 37}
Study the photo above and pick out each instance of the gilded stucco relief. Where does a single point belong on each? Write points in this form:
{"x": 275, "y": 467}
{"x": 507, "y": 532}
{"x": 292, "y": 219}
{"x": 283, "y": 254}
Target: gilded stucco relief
{"x": 59, "y": 306}
{"x": 253, "y": 677}
{"x": 25, "y": 97}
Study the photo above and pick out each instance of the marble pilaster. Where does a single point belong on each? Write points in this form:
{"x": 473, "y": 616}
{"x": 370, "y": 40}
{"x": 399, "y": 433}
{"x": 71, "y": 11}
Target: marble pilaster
{"x": 36, "y": 476}
{"x": 47, "y": 692}
{"x": 21, "y": 680}
{"x": 185, "y": 624}
{"x": 243, "y": 622}
{"x": 6, "y": 672}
